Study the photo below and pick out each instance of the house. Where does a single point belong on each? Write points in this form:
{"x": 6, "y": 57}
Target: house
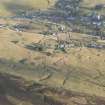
{"x": 99, "y": 6}
{"x": 99, "y": 17}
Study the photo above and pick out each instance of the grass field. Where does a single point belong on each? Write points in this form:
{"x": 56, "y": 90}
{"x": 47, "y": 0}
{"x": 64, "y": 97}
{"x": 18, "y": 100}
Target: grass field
{"x": 6, "y": 6}
{"x": 91, "y": 3}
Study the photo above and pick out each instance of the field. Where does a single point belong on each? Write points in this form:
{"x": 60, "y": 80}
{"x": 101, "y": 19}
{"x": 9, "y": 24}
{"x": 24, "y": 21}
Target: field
{"x": 93, "y": 3}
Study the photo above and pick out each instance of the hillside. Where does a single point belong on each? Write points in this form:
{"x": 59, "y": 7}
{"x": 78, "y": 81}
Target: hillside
{"x": 48, "y": 56}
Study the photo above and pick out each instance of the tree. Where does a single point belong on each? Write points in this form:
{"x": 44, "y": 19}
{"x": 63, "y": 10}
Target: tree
{"x": 69, "y": 6}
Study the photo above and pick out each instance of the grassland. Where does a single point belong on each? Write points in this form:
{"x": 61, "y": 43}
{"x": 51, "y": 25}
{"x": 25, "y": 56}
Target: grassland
{"x": 85, "y": 65}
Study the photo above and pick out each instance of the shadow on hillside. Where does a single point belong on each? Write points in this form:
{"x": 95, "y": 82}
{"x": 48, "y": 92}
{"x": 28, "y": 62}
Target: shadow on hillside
{"x": 19, "y": 90}
{"x": 15, "y": 87}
